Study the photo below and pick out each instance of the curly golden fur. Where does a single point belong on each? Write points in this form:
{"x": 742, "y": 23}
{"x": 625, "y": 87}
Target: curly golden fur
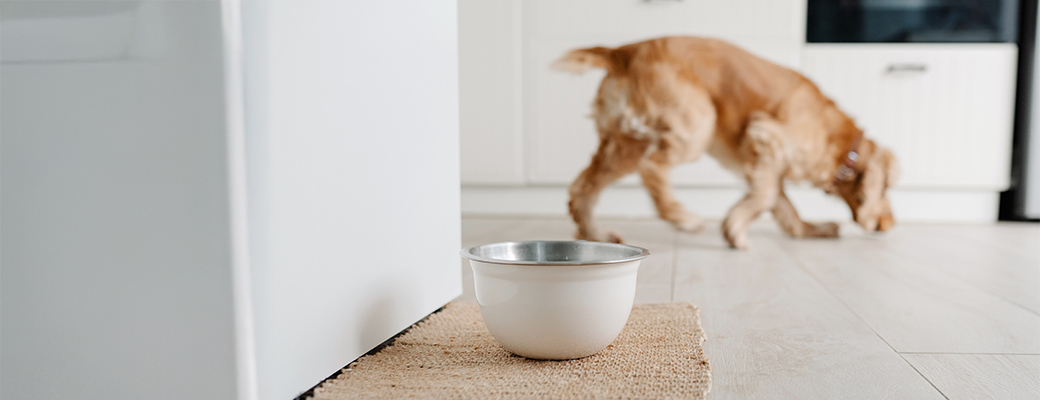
{"x": 666, "y": 101}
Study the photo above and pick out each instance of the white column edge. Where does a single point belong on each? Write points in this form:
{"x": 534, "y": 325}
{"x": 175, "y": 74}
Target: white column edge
{"x": 245, "y": 341}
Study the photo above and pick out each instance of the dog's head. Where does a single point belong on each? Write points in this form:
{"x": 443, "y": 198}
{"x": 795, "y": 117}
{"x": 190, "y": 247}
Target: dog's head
{"x": 867, "y": 193}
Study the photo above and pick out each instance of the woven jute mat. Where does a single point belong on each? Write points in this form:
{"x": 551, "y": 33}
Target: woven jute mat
{"x": 451, "y": 355}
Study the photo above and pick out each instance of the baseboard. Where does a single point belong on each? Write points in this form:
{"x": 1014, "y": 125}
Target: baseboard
{"x": 961, "y": 206}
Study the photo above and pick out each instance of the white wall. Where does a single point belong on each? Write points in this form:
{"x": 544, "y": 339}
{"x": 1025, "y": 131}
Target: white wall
{"x": 490, "y": 57}
{"x": 352, "y": 143}
{"x": 115, "y": 281}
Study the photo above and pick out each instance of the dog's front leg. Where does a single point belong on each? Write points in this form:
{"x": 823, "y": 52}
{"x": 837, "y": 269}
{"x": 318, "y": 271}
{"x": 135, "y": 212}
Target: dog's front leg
{"x": 761, "y": 197}
{"x": 764, "y": 173}
{"x": 788, "y": 219}
{"x": 617, "y": 156}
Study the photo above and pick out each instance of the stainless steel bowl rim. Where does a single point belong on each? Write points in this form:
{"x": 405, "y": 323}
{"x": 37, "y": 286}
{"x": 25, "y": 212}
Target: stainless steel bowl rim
{"x": 639, "y": 253}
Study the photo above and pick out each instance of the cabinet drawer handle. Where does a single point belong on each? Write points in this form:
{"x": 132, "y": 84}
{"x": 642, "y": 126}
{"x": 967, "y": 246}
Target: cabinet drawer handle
{"x": 661, "y": 1}
{"x": 897, "y": 68}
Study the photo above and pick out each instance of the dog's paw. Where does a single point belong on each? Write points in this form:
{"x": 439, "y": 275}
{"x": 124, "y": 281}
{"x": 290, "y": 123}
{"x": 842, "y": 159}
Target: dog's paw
{"x": 735, "y": 240}
{"x": 614, "y": 237}
{"x": 689, "y": 223}
{"x": 825, "y": 230}
{"x": 739, "y": 242}
{"x": 611, "y": 237}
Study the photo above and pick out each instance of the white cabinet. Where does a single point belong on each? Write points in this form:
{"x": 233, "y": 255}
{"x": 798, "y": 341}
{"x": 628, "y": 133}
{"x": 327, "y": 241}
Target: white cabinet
{"x": 560, "y": 136}
{"x": 765, "y": 20}
{"x": 946, "y": 110}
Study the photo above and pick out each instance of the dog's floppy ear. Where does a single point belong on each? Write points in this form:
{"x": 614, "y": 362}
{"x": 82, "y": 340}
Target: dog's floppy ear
{"x": 882, "y": 170}
{"x": 581, "y": 60}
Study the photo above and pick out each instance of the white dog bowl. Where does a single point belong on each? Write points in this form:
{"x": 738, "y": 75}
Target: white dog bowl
{"x": 555, "y": 300}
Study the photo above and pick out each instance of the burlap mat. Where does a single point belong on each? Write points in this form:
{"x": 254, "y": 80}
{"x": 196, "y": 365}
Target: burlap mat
{"x": 452, "y": 355}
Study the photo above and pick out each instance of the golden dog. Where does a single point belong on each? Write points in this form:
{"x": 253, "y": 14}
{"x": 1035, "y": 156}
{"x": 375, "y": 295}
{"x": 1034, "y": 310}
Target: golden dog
{"x": 666, "y": 101}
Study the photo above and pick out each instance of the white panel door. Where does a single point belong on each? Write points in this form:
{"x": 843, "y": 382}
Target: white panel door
{"x": 560, "y": 136}
{"x": 946, "y": 110}
{"x": 353, "y": 149}
{"x": 491, "y": 137}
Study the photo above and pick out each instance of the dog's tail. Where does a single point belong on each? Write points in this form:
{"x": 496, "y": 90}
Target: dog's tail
{"x": 581, "y": 60}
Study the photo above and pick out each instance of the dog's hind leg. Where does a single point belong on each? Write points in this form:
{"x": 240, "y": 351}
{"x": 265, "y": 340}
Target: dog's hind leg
{"x": 686, "y": 135}
{"x": 617, "y": 156}
{"x": 654, "y": 171}
{"x": 788, "y": 219}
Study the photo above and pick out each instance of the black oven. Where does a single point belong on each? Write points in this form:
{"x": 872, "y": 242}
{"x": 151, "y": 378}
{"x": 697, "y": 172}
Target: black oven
{"x": 914, "y": 21}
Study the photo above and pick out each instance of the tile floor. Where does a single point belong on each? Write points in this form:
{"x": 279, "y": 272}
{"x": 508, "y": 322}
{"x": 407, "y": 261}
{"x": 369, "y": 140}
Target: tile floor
{"x": 922, "y": 312}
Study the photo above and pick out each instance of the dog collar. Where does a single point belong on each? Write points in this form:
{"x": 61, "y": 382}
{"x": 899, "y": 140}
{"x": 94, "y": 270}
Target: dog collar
{"x": 845, "y": 171}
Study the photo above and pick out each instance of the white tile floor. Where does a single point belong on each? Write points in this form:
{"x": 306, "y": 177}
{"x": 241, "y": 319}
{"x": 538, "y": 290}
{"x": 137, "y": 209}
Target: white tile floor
{"x": 922, "y": 312}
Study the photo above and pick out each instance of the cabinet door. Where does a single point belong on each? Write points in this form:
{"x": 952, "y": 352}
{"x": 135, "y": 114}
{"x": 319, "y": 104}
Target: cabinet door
{"x": 560, "y": 136}
{"x": 946, "y": 110}
{"x": 491, "y": 138}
